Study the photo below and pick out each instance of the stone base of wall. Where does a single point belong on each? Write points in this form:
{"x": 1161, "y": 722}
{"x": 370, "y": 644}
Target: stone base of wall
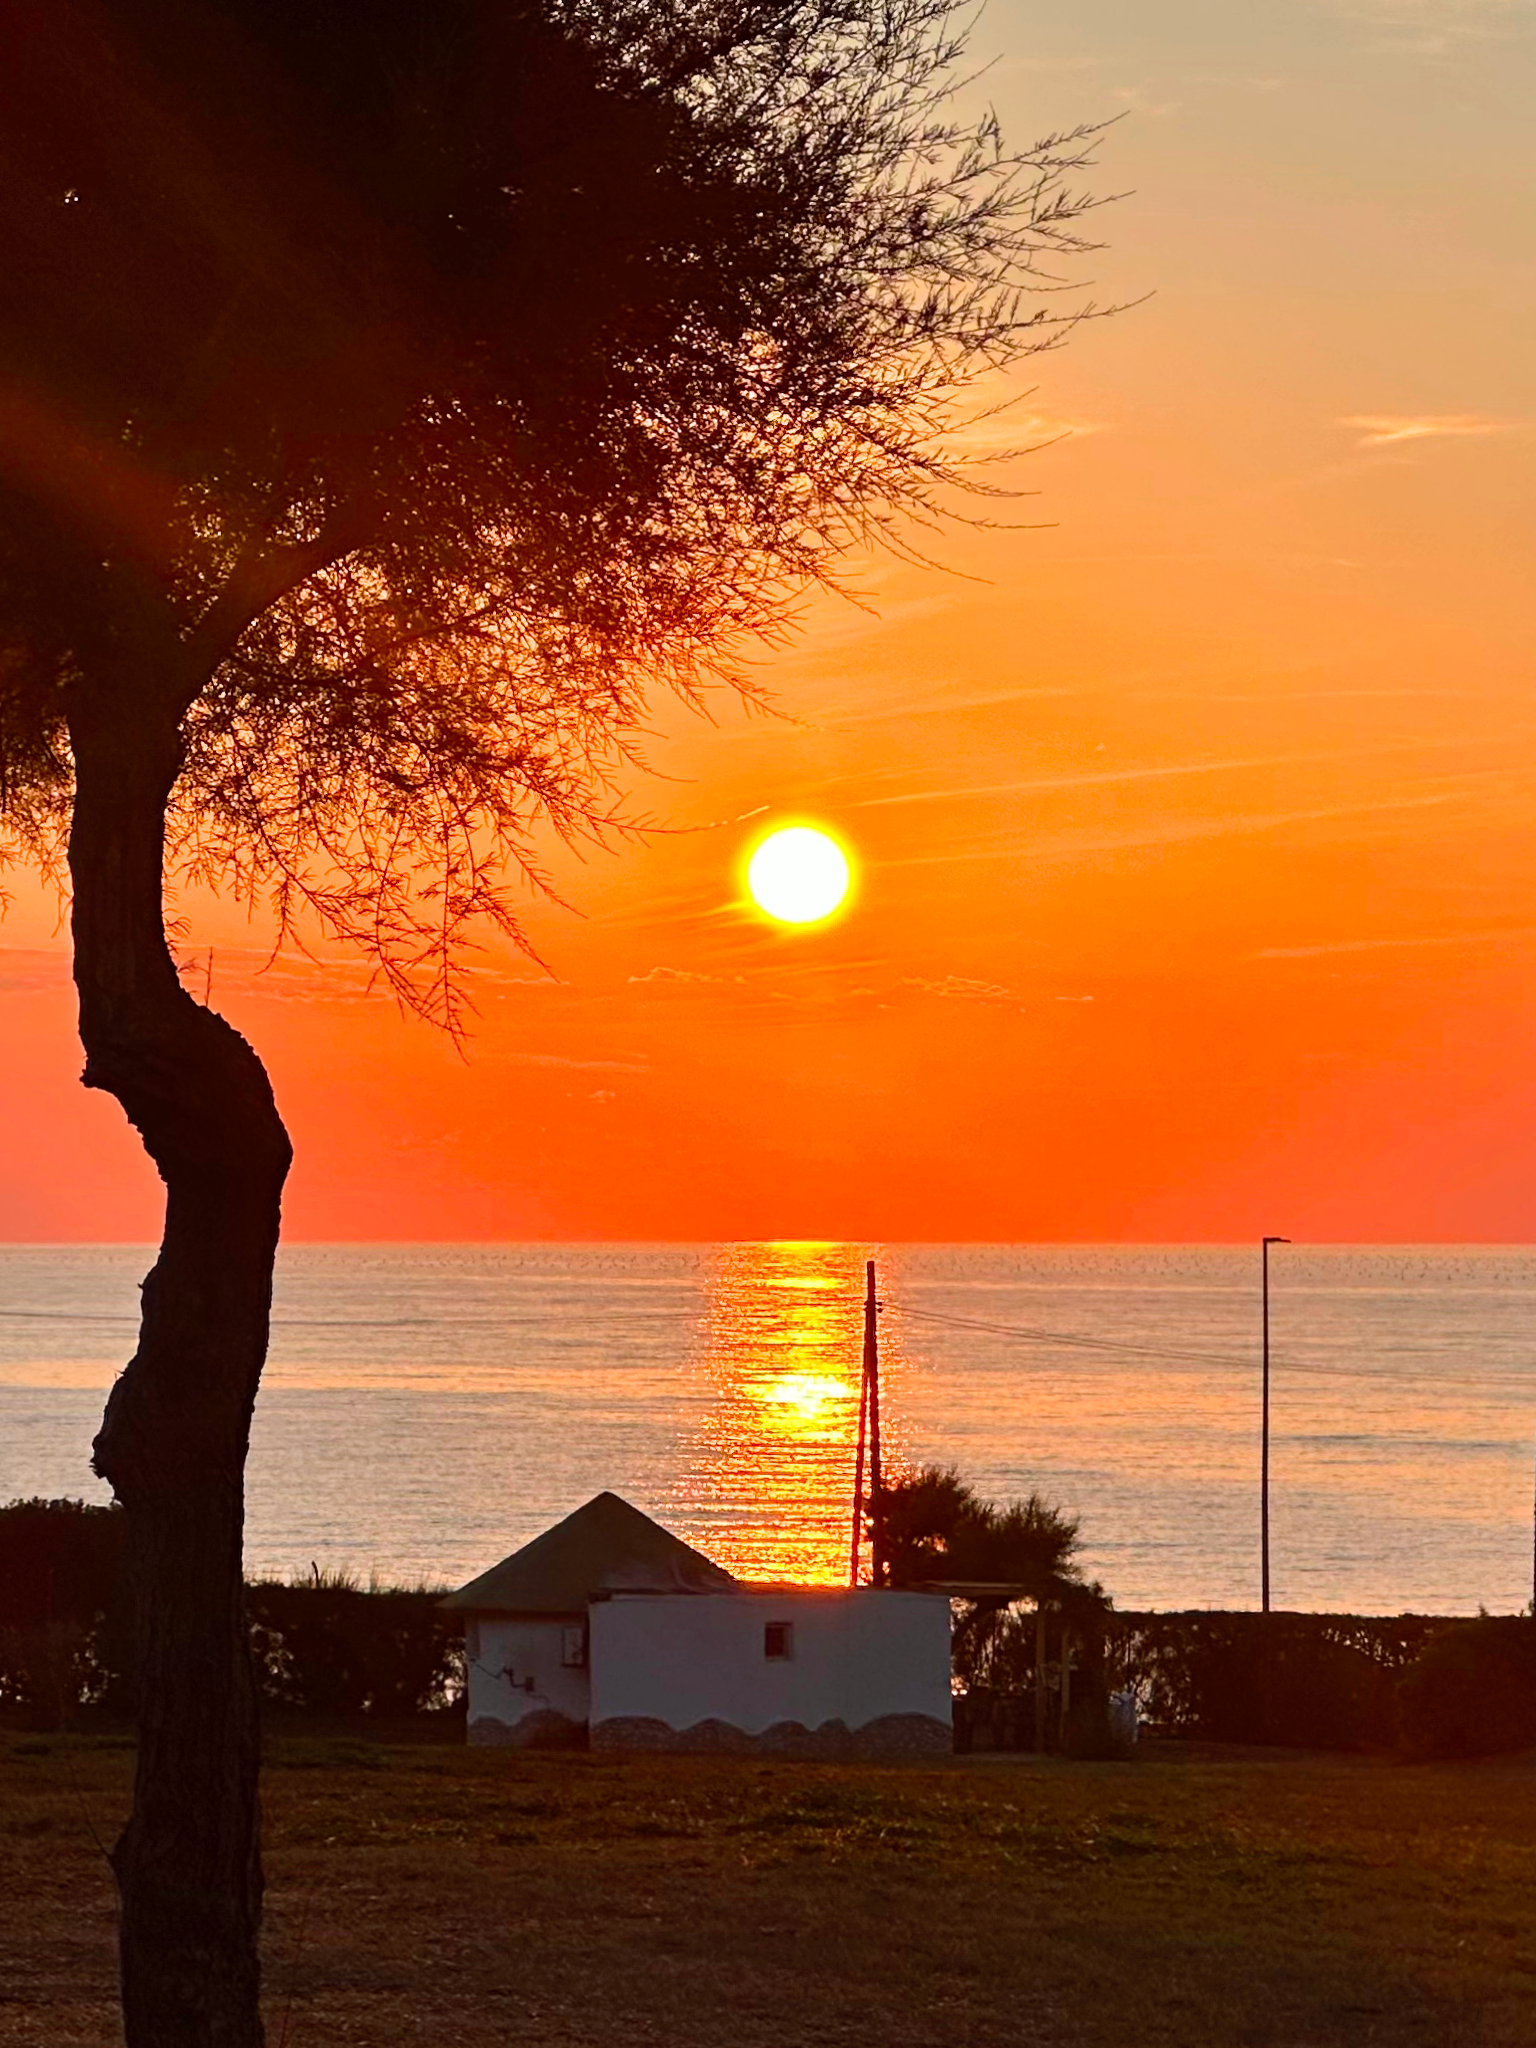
{"x": 542, "y": 1729}
{"x": 892, "y": 1735}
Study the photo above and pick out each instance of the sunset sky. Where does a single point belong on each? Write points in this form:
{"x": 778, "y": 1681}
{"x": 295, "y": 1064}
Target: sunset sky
{"x": 1195, "y": 825}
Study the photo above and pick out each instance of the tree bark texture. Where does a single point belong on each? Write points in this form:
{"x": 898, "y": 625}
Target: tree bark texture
{"x": 174, "y": 1437}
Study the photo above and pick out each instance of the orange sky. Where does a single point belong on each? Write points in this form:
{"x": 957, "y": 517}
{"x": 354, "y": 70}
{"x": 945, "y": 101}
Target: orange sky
{"x": 1197, "y": 837}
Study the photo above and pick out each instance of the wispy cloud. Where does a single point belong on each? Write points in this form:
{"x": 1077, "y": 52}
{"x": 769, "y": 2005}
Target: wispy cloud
{"x": 960, "y": 988}
{"x": 1140, "y": 99}
{"x": 1283, "y": 697}
{"x": 1518, "y": 931}
{"x": 942, "y": 703}
{"x": 1006, "y": 432}
{"x": 1388, "y": 429}
{"x": 1073, "y": 847}
{"x": 560, "y": 1059}
{"x": 1434, "y": 28}
{"x": 24, "y": 971}
{"x": 1098, "y": 777}
{"x": 863, "y": 618}
{"x": 676, "y": 975}
{"x": 294, "y": 977}
{"x": 1089, "y": 779}
{"x": 281, "y": 978}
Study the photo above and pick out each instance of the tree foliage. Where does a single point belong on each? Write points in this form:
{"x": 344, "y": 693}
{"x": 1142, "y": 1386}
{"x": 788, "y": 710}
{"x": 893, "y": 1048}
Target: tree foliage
{"x": 1472, "y": 1691}
{"x": 390, "y": 394}
{"x": 938, "y": 1530}
{"x": 414, "y": 388}
{"x": 936, "y": 1527}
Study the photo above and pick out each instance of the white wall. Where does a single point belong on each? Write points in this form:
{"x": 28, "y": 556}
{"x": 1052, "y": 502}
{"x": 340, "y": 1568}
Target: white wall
{"x": 858, "y": 1656}
{"x": 503, "y": 1653}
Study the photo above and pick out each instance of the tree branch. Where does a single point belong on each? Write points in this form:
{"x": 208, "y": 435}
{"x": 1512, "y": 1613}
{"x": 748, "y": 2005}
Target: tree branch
{"x": 259, "y": 578}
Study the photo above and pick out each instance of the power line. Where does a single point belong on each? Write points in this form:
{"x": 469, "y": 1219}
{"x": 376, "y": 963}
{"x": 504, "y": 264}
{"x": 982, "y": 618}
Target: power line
{"x": 1041, "y": 1336}
{"x": 1030, "y": 1334}
{"x": 1067, "y": 1339}
{"x": 1110, "y": 1344}
{"x": 59, "y": 1315}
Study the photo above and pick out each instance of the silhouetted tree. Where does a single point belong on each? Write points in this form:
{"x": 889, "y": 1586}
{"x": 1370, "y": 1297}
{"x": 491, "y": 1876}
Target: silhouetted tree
{"x": 389, "y": 394}
{"x": 939, "y": 1529}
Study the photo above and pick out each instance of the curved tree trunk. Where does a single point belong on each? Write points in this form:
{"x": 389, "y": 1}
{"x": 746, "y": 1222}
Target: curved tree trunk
{"x": 173, "y": 1441}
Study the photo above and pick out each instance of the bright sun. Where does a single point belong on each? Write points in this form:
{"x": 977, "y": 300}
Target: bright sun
{"x": 798, "y": 874}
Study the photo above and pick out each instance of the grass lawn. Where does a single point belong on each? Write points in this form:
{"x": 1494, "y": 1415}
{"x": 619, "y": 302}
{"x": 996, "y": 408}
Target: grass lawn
{"x": 1198, "y": 1900}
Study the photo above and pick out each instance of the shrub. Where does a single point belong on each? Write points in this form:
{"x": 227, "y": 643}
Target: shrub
{"x": 331, "y": 1648}
{"x": 325, "y": 1647}
{"x": 1472, "y": 1691}
{"x": 63, "y": 1610}
{"x": 1312, "y": 1681}
{"x": 60, "y": 1560}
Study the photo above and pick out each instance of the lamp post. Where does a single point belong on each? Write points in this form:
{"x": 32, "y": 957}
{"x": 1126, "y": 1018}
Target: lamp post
{"x": 1264, "y": 1451}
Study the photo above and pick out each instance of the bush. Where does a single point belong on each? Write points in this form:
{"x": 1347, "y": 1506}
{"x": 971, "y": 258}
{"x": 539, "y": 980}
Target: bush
{"x": 1309, "y": 1681}
{"x": 60, "y": 1560}
{"x": 63, "y": 1610}
{"x": 329, "y": 1647}
{"x": 1472, "y": 1691}
{"x": 325, "y": 1647}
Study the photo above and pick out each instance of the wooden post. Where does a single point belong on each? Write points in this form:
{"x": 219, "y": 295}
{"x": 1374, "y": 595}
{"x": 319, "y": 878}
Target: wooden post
{"x": 1066, "y": 1680}
{"x": 877, "y": 1573}
{"x": 858, "y": 1479}
{"x": 1040, "y": 1677}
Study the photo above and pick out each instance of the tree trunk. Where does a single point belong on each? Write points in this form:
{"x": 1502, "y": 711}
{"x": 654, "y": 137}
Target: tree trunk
{"x": 173, "y": 1441}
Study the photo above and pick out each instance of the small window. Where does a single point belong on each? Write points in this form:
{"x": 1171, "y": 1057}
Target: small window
{"x": 778, "y": 1640}
{"x": 573, "y": 1647}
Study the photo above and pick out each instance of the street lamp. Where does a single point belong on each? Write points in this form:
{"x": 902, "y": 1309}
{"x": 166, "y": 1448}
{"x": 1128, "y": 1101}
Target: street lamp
{"x": 1264, "y": 1454}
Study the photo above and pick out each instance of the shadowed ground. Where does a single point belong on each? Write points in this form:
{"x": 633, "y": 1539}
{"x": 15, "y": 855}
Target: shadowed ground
{"x": 1193, "y": 1899}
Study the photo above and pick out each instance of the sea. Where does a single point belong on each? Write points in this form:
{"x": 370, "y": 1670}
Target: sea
{"x": 428, "y": 1408}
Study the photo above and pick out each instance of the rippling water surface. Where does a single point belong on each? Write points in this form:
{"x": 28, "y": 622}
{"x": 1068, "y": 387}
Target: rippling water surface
{"x": 427, "y": 1408}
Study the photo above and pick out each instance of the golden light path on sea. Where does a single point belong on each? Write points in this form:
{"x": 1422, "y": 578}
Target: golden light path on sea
{"x": 784, "y": 1330}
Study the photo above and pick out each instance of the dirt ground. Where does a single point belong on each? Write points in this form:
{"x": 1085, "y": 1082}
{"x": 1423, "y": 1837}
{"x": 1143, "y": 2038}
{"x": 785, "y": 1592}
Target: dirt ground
{"x": 1187, "y": 1900}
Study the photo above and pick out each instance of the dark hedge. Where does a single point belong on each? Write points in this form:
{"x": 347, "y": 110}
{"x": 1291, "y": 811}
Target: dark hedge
{"x": 1424, "y": 1685}
{"x": 1430, "y": 1685}
{"x": 1473, "y": 1690}
{"x": 1309, "y": 1681}
{"x": 64, "y": 1642}
{"x": 334, "y": 1649}
{"x": 325, "y": 1647}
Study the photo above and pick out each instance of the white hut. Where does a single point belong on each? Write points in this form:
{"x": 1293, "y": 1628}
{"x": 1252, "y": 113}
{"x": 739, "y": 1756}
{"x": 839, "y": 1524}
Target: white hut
{"x": 609, "y": 1629}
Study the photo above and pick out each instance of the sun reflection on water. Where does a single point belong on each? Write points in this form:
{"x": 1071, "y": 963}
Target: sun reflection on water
{"x": 769, "y": 1485}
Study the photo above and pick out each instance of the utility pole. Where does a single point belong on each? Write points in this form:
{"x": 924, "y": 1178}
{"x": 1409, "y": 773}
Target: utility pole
{"x": 872, "y": 1377}
{"x": 869, "y": 1436}
{"x": 1264, "y": 1452}
{"x": 858, "y": 1470}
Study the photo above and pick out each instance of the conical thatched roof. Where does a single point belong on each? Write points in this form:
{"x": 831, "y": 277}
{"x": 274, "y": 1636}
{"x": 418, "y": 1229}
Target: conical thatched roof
{"x": 606, "y": 1546}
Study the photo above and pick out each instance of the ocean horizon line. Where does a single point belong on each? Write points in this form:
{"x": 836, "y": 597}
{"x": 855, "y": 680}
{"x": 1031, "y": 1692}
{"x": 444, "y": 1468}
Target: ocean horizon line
{"x": 292, "y": 1241}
